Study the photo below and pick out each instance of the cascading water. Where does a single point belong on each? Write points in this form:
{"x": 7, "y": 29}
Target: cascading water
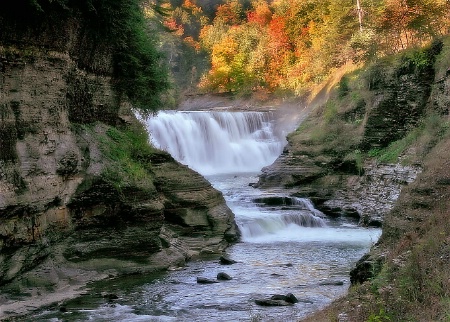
{"x": 287, "y": 245}
{"x": 214, "y": 143}
{"x": 217, "y": 142}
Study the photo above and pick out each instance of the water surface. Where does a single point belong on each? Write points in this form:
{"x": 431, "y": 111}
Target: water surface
{"x": 285, "y": 248}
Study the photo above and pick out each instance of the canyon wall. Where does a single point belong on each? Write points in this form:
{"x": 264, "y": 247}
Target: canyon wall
{"x": 82, "y": 194}
{"x": 337, "y": 157}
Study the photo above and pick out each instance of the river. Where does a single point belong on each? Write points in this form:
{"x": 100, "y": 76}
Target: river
{"x": 287, "y": 246}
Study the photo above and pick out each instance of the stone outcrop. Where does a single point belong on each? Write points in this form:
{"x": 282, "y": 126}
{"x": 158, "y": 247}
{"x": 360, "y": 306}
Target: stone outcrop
{"x": 63, "y": 221}
{"x": 367, "y": 197}
{"x": 373, "y": 195}
{"x": 324, "y": 158}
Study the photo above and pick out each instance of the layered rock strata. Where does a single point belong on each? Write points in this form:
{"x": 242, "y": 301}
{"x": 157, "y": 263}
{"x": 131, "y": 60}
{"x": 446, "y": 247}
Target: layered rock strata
{"x": 63, "y": 222}
{"x": 324, "y": 159}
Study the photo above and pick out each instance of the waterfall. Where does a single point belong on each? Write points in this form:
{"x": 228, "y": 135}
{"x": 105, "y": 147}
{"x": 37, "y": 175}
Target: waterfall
{"x": 217, "y": 142}
{"x": 265, "y": 225}
{"x": 228, "y": 143}
{"x": 287, "y": 214}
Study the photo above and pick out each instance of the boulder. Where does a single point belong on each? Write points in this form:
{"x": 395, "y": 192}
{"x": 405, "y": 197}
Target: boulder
{"x": 332, "y": 282}
{"x": 204, "y": 280}
{"x": 290, "y": 298}
{"x": 225, "y": 260}
{"x": 270, "y": 302}
{"x": 223, "y": 277}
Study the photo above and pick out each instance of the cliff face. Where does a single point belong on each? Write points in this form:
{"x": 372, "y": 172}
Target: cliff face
{"x": 72, "y": 208}
{"x": 405, "y": 276}
{"x": 338, "y": 156}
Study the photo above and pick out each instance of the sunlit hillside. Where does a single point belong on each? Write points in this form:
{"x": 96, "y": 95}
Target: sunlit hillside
{"x": 248, "y": 46}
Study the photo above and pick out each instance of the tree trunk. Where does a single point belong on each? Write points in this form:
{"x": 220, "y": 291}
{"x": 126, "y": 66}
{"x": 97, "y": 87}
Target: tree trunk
{"x": 360, "y": 14}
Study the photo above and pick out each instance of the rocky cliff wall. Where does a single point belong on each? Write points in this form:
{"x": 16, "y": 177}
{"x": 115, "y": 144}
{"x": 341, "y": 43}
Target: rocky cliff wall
{"x": 406, "y": 272}
{"x": 67, "y": 214}
{"x": 333, "y": 157}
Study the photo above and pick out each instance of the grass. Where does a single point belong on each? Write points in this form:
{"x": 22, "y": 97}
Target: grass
{"x": 414, "y": 281}
{"x": 420, "y": 139}
{"x": 128, "y": 156}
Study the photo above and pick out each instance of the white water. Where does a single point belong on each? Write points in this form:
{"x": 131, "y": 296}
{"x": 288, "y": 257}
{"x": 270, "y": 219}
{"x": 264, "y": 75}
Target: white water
{"x": 217, "y": 142}
{"x": 231, "y": 143}
{"x": 286, "y": 248}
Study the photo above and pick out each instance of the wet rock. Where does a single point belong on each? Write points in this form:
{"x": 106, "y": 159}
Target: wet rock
{"x": 270, "y": 302}
{"x": 223, "y": 277}
{"x": 204, "y": 280}
{"x": 332, "y": 283}
{"x": 110, "y": 296}
{"x": 290, "y": 298}
{"x": 276, "y": 275}
{"x": 225, "y": 260}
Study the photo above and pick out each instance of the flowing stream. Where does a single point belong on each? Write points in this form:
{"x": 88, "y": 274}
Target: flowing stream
{"x": 287, "y": 246}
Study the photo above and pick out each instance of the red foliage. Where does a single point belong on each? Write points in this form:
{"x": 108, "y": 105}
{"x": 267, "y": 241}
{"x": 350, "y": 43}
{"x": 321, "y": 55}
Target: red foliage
{"x": 260, "y": 15}
{"x": 172, "y": 25}
{"x": 279, "y": 40}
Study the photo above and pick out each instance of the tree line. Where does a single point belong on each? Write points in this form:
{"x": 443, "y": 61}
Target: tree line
{"x": 287, "y": 45}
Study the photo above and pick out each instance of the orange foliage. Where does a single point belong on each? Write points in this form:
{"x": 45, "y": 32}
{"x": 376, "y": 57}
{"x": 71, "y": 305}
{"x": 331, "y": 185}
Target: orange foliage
{"x": 289, "y": 44}
{"x": 188, "y": 4}
{"x": 191, "y": 42}
{"x": 172, "y": 25}
{"x": 230, "y": 12}
{"x": 260, "y": 15}
{"x": 279, "y": 41}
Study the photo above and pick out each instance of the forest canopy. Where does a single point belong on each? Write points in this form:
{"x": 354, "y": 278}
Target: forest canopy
{"x": 287, "y": 45}
{"x": 234, "y": 46}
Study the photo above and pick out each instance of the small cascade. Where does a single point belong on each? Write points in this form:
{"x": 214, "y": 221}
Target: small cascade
{"x": 278, "y": 224}
{"x": 292, "y": 213}
{"x": 217, "y": 142}
{"x": 308, "y": 204}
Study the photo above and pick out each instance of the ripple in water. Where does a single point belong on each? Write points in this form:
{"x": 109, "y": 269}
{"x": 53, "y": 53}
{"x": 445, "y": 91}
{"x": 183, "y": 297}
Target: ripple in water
{"x": 290, "y": 248}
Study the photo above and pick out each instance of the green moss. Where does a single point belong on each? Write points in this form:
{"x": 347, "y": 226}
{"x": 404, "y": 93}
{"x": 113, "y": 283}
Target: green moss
{"x": 128, "y": 157}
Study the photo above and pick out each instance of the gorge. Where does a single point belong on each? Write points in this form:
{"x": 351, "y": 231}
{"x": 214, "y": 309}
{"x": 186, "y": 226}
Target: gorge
{"x": 287, "y": 246}
{"x": 96, "y": 223}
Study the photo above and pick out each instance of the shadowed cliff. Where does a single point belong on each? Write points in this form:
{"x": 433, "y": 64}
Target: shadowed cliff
{"x": 82, "y": 194}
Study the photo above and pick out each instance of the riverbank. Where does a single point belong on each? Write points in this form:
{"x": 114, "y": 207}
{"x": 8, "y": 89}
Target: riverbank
{"x": 386, "y": 116}
{"x": 413, "y": 281}
{"x": 83, "y": 194}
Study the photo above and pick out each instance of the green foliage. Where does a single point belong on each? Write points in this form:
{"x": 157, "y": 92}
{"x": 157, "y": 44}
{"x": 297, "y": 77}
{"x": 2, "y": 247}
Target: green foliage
{"x": 343, "y": 87}
{"x": 380, "y": 317}
{"x": 140, "y": 73}
{"x": 107, "y": 27}
{"x": 138, "y": 66}
{"x": 128, "y": 154}
{"x": 357, "y": 157}
{"x": 331, "y": 111}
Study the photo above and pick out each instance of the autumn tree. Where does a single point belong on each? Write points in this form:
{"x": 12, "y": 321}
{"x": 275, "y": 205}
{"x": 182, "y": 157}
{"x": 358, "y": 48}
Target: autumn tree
{"x": 290, "y": 44}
